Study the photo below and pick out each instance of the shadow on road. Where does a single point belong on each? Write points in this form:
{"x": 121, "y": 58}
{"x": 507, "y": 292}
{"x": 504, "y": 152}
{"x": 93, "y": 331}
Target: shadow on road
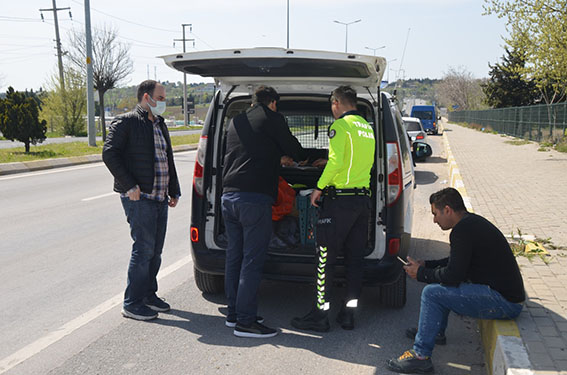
{"x": 378, "y": 334}
{"x": 436, "y": 160}
{"x": 425, "y": 177}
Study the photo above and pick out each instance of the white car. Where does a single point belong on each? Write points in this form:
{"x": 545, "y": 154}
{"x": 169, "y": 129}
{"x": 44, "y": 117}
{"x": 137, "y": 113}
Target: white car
{"x": 415, "y": 129}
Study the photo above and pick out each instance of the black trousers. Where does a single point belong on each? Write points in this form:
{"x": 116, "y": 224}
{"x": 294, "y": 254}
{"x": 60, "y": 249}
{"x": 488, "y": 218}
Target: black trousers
{"x": 342, "y": 225}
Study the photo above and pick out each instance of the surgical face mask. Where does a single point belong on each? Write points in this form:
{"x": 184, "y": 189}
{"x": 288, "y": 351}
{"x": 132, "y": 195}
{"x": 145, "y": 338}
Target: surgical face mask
{"x": 159, "y": 108}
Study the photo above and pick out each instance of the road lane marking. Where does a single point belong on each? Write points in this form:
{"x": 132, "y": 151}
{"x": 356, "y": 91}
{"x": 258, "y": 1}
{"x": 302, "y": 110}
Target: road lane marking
{"x": 56, "y": 170}
{"x": 51, "y": 338}
{"x": 98, "y": 196}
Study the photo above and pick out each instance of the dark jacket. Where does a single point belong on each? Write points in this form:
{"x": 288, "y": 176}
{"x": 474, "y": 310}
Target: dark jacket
{"x": 480, "y": 254}
{"x": 255, "y": 142}
{"x": 129, "y": 153}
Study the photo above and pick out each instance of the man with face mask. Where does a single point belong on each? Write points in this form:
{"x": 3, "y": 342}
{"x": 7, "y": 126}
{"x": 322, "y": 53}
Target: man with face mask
{"x": 138, "y": 153}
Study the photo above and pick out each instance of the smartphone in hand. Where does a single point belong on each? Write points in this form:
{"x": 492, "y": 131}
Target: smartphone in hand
{"x": 403, "y": 261}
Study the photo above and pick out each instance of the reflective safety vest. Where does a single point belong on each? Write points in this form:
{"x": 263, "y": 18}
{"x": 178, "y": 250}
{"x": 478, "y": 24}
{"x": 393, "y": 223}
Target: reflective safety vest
{"x": 351, "y": 153}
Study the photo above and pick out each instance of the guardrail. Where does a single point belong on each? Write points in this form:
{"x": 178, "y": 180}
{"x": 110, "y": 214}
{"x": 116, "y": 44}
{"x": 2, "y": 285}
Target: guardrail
{"x": 536, "y": 123}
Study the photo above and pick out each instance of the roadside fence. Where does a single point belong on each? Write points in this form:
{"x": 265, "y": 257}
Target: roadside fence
{"x": 535, "y": 123}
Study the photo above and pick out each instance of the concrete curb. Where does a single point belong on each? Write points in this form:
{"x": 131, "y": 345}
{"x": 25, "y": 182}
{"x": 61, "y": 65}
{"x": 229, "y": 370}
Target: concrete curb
{"x": 37, "y": 165}
{"x": 504, "y": 349}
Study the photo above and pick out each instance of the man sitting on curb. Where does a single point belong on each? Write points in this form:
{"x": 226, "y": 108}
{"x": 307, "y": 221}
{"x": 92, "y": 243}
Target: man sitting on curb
{"x": 480, "y": 279}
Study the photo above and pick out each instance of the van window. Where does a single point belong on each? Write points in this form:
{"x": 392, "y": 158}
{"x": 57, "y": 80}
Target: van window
{"x": 404, "y": 148}
{"x": 310, "y": 130}
{"x": 422, "y": 115}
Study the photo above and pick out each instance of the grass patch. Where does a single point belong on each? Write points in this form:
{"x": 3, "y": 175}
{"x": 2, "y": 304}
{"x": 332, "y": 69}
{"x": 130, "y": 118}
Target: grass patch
{"x": 183, "y": 127}
{"x": 65, "y": 150}
{"x": 60, "y": 150}
{"x": 561, "y": 146}
{"x": 518, "y": 142}
{"x": 185, "y": 139}
{"x": 543, "y": 149}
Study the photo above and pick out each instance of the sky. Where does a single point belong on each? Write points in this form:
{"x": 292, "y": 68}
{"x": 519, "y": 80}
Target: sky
{"x": 422, "y": 38}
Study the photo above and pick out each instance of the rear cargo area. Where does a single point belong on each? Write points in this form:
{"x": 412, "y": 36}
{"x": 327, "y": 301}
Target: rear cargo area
{"x": 309, "y": 119}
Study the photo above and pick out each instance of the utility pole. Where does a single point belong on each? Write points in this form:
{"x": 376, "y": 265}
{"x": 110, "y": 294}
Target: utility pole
{"x": 57, "y": 39}
{"x": 287, "y": 24}
{"x": 91, "y": 129}
{"x": 185, "y": 110}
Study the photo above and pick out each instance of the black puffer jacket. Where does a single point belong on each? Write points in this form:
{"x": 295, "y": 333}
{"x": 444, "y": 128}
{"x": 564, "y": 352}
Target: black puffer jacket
{"x": 256, "y": 140}
{"x": 129, "y": 153}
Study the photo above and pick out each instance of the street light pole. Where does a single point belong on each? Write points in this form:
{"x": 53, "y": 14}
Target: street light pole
{"x": 375, "y": 49}
{"x": 346, "y": 30}
{"x": 387, "y": 64}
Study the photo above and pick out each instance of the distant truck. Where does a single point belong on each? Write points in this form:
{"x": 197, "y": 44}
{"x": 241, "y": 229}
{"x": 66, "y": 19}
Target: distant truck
{"x": 428, "y": 116}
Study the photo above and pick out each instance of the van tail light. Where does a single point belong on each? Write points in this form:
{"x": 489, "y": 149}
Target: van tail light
{"x": 434, "y": 125}
{"x": 393, "y": 246}
{"x": 199, "y": 164}
{"x": 420, "y": 136}
{"x": 194, "y": 234}
{"x": 394, "y": 173}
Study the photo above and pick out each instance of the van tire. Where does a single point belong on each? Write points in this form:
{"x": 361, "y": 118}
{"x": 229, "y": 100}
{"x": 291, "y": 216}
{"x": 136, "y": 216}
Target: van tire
{"x": 394, "y": 295}
{"x": 209, "y": 283}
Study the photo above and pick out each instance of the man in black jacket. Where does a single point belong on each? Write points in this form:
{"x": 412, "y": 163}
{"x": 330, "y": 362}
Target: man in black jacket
{"x": 480, "y": 279}
{"x": 138, "y": 153}
{"x": 256, "y": 141}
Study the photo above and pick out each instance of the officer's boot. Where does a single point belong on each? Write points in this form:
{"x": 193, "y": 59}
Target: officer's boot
{"x": 345, "y": 317}
{"x": 316, "y": 320}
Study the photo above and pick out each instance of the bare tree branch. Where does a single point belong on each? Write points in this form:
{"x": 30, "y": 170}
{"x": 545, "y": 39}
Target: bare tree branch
{"x": 111, "y": 61}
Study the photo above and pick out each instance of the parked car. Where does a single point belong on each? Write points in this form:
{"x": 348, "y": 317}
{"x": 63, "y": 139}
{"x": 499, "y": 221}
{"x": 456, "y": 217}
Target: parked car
{"x": 304, "y": 80}
{"x": 415, "y": 129}
{"x": 428, "y": 116}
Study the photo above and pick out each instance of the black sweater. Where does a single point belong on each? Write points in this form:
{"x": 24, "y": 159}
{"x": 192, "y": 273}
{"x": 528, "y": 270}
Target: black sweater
{"x": 480, "y": 254}
{"x": 256, "y": 140}
{"x": 129, "y": 153}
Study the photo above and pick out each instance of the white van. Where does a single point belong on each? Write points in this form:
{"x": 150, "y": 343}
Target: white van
{"x": 304, "y": 80}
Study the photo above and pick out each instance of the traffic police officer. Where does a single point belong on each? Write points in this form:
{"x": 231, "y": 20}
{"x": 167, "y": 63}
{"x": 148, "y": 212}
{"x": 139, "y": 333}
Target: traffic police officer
{"x": 344, "y": 186}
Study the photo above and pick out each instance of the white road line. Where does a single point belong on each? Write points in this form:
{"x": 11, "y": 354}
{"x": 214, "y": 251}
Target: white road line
{"x": 98, "y": 196}
{"x": 68, "y": 328}
{"x": 56, "y": 170}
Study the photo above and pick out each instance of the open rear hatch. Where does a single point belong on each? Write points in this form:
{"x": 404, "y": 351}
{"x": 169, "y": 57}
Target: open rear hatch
{"x": 320, "y": 70}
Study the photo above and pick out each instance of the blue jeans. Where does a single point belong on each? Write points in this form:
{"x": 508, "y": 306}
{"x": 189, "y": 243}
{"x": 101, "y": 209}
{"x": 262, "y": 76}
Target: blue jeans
{"x": 248, "y": 225}
{"x": 474, "y": 300}
{"x": 148, "y": 223}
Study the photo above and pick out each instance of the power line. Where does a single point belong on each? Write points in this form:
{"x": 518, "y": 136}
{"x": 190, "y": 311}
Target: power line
{"x": 140, "y": 43}
{"x": 145, "y": 26}
{"x": 127, "y": 21}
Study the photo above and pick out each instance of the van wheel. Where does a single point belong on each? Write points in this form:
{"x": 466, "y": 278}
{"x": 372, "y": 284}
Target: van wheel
{"x": 394, "y": 295}
{"x": 209, "y": 283}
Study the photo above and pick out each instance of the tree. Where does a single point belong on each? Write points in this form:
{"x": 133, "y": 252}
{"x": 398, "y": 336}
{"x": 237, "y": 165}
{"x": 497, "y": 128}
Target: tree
{"x": 460, "y": 90}
{"x": 111, "y": 62}
{"x": 538, "y": 29}
{"x": 65, "y": 106}
{"x": 19, "y": 119}
{"x": 507, "y": 86}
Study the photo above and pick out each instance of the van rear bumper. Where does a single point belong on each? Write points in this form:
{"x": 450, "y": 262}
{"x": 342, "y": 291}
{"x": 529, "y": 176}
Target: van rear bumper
{"x": 298, "y": 268}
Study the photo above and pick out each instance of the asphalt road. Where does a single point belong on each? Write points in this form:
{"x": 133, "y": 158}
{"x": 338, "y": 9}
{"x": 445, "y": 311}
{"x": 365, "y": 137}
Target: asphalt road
{"x": 64, "y": 252}
{"x": 47, "y": 141}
